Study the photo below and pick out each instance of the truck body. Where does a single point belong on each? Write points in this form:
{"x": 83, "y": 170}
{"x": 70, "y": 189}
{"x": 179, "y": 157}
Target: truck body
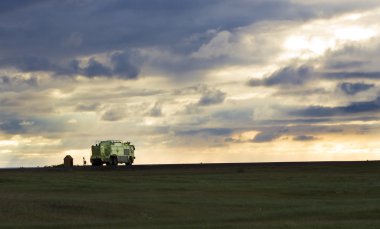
{"x": 112, "y": 152}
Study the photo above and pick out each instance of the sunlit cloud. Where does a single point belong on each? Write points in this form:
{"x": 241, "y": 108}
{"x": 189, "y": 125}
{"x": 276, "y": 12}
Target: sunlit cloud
{"x": 5, "y": 143}
{"x": 315, "y": 38}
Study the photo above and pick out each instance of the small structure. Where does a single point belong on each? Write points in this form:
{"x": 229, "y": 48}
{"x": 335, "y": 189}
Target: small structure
{"x": 68, "y": 161}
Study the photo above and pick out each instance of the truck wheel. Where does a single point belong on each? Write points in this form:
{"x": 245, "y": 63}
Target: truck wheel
{"x": 97, "y": 163}
{"x": 114, "y": 161}
{"x": 130, "y": 161}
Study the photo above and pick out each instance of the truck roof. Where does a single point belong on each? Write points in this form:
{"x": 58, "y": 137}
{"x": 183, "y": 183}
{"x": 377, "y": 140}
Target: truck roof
{"x": 109, "y": 141}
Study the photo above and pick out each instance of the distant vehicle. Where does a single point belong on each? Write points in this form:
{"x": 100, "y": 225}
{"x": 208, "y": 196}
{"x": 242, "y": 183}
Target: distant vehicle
{"x": 112, "y": 152}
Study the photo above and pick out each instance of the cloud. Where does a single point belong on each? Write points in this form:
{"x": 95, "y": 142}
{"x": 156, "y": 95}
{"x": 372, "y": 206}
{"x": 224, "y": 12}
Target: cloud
{"x": 211, "y": 97}
{"x": 29, "y": 63}
{"x": 16, "y": 124}
{"x": 114, "y": 114}
{"x": 88, "y": 107}
{"x": 354, "y": 88}
{"x": 208, "y": 96}
{"x": 286, "y": 76}
{"x": 190, "y": 109}
{"x": 206, "y": 131}
{"x": 18, "y": 83}
{"x": 265, "y": 137}
{"x": 269, "y": 135}
{"x": 120, "y": 66}
{"x": 156, "y": 110}
{"x": 351, "y": 75}
{"x": 12, "y": 126}
{"x": 95, "y": 68}
{"x": 352, "y": 108}
{"x": 304, "y": 138}
{"x": 353, "y": 61}
{"x": 9, "y": 5}
{"x": 27, "y": 103}
{"x": 219, "y": 46}
{"x": 358, "y": 107}
{"x": 229, "y": 140}
{"x": 123, "y": 66}
{"x": 340, "y": 64}
{"x": 237, "y": 115}
{"x": 158, "y": 25}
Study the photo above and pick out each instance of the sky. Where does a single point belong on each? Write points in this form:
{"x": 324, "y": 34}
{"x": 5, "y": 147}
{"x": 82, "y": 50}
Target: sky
{"x": 190, "y": 81}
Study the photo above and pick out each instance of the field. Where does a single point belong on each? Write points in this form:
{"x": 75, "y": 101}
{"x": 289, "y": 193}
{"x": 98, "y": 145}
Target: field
{"x": 271, "y": 195}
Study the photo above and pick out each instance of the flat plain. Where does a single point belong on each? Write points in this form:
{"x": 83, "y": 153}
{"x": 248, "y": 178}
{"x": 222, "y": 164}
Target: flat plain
{"x": 257, "y": 195}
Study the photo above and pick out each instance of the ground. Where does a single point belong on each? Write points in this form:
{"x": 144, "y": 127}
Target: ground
{"x": 273, "y": 195}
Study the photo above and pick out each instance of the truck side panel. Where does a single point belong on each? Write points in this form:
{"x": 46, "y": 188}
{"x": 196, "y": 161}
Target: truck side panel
{"x": 106, "y": 150}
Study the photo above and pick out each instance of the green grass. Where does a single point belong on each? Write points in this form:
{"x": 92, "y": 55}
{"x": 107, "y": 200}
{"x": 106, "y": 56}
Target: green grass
{"x": 313, "y": 196}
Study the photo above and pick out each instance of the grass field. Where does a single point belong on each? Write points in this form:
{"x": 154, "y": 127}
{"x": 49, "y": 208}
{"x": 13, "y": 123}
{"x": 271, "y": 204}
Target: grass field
{"x": 316, "y": 195}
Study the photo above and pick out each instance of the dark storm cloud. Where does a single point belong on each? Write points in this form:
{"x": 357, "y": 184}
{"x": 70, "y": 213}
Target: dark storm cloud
{"x": 351, "y": 75}
{"x": 358, "y": 61}
{"x": 298, "y": 121}
{"x": 207, "y": 131}
{"x": 8, "y": 83}
{"x": 10, "y": 5}
{"x": 123, "y": 66}
{"x": 353, "y": 108}
{"x": 354, "y": 88}
{"x": 12, "y": 126}
{"x": 267, "y": 136}
{"x": 317, "y": 111}
{"x": 51, "y": 35}
{"x": 304, "y": 138}
{"x": 345, "y": 64}
{"x": 29, "y": 63}
{"x": 358, "y": 107}
{"x": 286, "y": 76}
{"x": 303, "y": 91}
{"x": 95, "y": 68}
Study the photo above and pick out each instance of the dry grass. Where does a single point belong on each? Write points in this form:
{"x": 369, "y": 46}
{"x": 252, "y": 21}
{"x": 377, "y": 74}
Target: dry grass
{"x": 292, "y": 196}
